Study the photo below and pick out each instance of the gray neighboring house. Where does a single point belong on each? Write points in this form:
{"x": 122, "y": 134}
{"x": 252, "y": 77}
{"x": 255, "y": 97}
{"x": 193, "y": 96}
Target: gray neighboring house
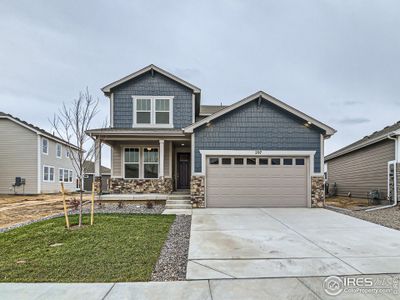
{"x": 257, "y": 152}
{"x": 33, "y": 154}
{"x": 88, "y": 170}
{"x": 371, "y": 163}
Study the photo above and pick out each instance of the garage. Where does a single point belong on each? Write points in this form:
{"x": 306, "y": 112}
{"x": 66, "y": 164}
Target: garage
{"x": 256, "y": 181}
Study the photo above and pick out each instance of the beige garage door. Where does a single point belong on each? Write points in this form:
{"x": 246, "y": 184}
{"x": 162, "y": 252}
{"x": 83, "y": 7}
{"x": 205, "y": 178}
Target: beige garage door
{"x": 256, "y": 182}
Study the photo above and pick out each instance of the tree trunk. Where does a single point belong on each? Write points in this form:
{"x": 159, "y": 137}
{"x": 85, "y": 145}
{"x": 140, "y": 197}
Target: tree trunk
{"x": 80, "y": 201}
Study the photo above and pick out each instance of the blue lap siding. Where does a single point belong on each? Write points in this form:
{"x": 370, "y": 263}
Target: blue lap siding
{"x": 152, "y": 85}
{"x": 257, "y": 127}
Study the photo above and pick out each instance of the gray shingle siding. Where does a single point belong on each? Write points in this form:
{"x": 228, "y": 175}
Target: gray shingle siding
{"x": 250, "y": 127}
{"x": 148, "y": 85}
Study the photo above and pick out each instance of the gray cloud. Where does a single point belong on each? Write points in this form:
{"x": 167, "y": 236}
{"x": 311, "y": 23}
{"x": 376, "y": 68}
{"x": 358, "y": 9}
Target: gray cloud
{"x": 50, "y": 50}
{"x": 353, "y": 121}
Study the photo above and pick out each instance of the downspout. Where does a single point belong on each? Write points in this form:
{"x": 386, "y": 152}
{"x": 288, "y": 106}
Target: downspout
{"x": 395, "y": 176}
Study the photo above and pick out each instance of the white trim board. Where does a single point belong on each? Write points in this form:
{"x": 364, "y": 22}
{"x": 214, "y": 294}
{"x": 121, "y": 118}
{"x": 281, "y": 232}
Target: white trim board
{"x": 255, "y": 153}
{"x": 329, "y": 130}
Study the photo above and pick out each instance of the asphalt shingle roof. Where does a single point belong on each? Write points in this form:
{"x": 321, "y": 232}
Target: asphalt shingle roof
{"x": 365, "y": 141}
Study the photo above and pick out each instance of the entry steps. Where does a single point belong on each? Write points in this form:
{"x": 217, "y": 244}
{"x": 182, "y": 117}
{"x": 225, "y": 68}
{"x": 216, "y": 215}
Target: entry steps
{"x": 178, "y": 200}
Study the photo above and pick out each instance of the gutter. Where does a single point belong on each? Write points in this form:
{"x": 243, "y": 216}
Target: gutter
{"x": 395, "y": 176}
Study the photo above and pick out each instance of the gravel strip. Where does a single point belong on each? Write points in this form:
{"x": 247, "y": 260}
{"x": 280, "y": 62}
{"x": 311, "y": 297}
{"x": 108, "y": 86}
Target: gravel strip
{"x": 388, "y": 217}
{"x": 103, "y": 208}
{"x": 171, "y": 264}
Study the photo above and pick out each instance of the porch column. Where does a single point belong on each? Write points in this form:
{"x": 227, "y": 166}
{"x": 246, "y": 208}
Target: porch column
{"x": 161, "y": 171}
{"x": 97, "y": 158}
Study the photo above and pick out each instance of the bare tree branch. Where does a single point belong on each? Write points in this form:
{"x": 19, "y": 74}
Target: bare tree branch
{"x": 70, "y": 124}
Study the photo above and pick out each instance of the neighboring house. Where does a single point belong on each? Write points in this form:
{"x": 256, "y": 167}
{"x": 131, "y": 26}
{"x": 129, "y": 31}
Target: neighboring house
{"x": 371, "y": 163}
{"x": 256, "y": 152}
{"x": 88, "y": 170}
{"x": 32, "y": 154}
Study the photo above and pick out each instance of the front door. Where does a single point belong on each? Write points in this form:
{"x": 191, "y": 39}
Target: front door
{"x": 183, "y": 170}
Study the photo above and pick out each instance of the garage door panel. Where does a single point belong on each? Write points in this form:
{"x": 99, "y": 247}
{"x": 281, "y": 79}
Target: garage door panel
{"x": 249, "y": 192}
{"x": 239, "y": 201}
{"x": 256, "y": 185}
{"x": 251, "y": 171}
{"x": 257, "y": 181}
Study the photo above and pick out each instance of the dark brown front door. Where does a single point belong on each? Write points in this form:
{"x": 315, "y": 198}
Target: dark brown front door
{"x": 183, "y": 170}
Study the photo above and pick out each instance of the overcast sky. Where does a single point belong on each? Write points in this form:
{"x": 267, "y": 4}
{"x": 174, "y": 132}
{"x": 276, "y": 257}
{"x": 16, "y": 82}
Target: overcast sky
{"x": 338, "y": 61}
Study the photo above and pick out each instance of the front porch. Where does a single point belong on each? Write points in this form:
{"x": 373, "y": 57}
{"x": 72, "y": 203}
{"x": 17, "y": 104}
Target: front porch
{"x": 144, "y": 163}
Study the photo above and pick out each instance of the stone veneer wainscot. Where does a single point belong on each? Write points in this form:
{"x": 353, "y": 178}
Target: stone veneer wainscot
{"x": 317, "y": 191}
{"x": 141, "y": 186}
{"x": 197, "y": 191}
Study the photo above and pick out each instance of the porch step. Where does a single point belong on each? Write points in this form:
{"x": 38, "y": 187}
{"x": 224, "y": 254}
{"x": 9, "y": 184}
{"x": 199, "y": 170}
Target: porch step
{"x": 181, "y": 192}
{"x": 179, "y": 197}
{"x": 178, "y": 202}
{"x": 178, "y": 206}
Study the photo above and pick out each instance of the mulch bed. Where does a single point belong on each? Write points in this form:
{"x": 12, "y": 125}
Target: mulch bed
{"x": 388, "y": 217}
{"x": 171, "y": 264}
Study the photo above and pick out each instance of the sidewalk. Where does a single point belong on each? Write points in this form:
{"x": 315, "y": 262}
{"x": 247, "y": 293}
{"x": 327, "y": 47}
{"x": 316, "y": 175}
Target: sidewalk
{"x": 231, "y": 289}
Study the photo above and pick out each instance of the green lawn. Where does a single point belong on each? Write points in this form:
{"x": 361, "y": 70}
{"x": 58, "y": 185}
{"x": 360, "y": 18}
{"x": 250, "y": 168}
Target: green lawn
{"x": 117, "y": 247}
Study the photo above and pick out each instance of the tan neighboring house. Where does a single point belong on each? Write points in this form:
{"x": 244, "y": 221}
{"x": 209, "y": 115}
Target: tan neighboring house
{"x": 33, "y": 161}
{"x": 371, "y": 163}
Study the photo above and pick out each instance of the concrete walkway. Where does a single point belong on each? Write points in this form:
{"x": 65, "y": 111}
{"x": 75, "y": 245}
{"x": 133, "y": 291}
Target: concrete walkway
{"x": 287, "y": 242}
{"x": 274, "y": 288}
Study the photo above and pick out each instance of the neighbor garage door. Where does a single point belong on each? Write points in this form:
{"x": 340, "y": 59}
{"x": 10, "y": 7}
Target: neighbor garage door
{"x": 256, "y": 182}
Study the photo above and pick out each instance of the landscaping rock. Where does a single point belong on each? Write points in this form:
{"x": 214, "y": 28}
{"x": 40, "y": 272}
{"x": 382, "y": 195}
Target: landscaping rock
{"x": 172, "y": 262}
{"x": 388, "y": 217}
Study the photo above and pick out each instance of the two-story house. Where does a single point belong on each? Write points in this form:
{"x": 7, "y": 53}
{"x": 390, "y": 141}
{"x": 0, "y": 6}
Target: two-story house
{"x": 257, "y": 152}
{"x": 32, "y": 160}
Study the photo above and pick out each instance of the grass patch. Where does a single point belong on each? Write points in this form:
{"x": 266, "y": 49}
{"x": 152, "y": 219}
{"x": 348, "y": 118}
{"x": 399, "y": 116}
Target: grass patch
{"x": 118, "y": 247}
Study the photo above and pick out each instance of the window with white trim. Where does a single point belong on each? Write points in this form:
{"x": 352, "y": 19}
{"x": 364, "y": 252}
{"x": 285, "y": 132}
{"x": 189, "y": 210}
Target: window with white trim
{"x": 143, "y": 111}
{"x": 162, "y": 111}
{"x": 58, "y": 150}
{"x": 48, "y": 174}
{"x": 150, "y": 162}
{"x": 65, "y": 175}
{"x": 131, "y": 162}
{"x": 152, "y": 111}
{"x": 45, "y": 146}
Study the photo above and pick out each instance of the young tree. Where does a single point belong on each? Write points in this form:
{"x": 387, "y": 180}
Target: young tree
{"x": 71, "y": 123}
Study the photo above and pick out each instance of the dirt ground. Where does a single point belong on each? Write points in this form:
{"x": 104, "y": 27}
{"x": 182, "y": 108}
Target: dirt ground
{"x": 347, "y": 202}
{"x": 16, "y": 209}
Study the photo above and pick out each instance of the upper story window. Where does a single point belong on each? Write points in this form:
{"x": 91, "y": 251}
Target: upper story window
{"x": 45, "y": 146}
{"x": 58, "y": 150}
{"x": 152, "y": 111}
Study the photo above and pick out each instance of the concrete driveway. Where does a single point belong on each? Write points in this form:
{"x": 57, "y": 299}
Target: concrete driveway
{"x": 287, "y": 242}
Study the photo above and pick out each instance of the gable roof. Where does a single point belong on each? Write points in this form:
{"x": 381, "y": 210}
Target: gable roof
{"x": 88, "y": 166}
{"x": 36, "y": 129}
{"x": 107, "y": 88}
{"x": 262, "y": 95}
{"x": 373, "y": 138}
